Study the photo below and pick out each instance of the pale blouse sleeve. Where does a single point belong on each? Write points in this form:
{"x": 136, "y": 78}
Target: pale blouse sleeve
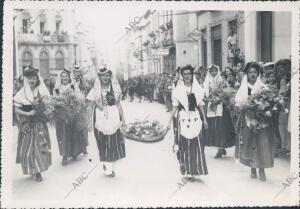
{"x": 175, "y": 102}
{"x": 18, "y": 98}
{"x": 91, "y": 95}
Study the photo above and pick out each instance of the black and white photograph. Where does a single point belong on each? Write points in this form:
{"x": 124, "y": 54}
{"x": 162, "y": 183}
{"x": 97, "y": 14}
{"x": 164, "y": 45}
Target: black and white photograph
{"x": 139, "y": 104}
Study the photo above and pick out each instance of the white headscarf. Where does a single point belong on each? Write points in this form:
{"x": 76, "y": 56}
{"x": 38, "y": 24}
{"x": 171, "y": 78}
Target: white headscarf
{"x": 95, "y": 92}
{"x": 241, "y": 97}
{"x": 212, "y": 81}
{"x": 58, "y": 84}
{"x": 179, "y": 93}
{"x": 25, "y": 96}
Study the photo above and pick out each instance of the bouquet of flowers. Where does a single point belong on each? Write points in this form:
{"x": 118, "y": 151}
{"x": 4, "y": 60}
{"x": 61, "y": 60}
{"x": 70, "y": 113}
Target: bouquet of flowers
{"x": 45, "y": 108}
{"x": 70, "y": 105}
{"x": 263, "y": 108}
{"x": 145, "y": 131}
{"x": 216, "y": 97}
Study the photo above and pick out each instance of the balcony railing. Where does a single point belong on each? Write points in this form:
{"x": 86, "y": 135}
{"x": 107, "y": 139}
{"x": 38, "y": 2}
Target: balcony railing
{"x": 33, "y": 38}
{"x": 54, "y": 38}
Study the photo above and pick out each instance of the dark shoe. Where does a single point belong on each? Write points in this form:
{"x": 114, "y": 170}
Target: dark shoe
{"x": 104, "y": 167}
{"x": 74, "y": 157}
{"x": 182, "y": 169}
{"x": 262, "y": 175}
{"x": 64, "y": 161}
{"x": 218, "y": 155}
{"x": 253, "y": 173}
{"x": 112, "y": 175}
{"x": 38, "y": 177}
{"x": 191, "y": 179}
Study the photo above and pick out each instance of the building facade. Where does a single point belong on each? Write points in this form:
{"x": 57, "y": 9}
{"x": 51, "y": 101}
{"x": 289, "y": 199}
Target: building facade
{"x": 226, "y": 38}
{"x": 85, "y": 50}
{"x": 148, "y": 45}
{"x": 44, "y": 39}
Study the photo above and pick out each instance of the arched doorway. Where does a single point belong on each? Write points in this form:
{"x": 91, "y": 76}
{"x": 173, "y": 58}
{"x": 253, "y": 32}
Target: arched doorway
{"x": 59, "y": 60}
{"x": 26, "y": 60}
{"x": 44, "y": 64}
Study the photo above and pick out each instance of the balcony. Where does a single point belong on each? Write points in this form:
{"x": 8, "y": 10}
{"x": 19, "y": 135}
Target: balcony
{"x": 27, "y": 38}
{"x": 40, "y": 39}
{"x": 54, "y": 38}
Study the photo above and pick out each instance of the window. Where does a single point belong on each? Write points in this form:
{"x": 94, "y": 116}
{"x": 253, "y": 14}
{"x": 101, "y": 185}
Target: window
{"x": 59, "y": 60}
{"x": 44, "y": 64}
{"x": 42, "y": 27}
{"x": 57, "y": 26}
{"x": 25, "y": 25}
{"x": 216, "y": 33}
{"x": 26, "y": 60}
{"x": 266, "y": 36}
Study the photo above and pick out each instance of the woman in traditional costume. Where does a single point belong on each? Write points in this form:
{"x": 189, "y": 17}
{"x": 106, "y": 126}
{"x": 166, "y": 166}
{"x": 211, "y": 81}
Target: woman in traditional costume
{"x": 34, "y": 148}
{"x": 71, "y": 138}
{"x": 188, "y": 102}
{"x": 108, "y": 119}
{"x": 254, "y": 147}
{"x": 221, "y": 132}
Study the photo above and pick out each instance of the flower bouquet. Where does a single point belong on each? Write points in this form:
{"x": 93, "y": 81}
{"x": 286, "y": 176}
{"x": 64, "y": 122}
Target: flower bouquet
{"x": 71, "y": 106}
{"x": 144, "y": 131}
{"x": 45, "y": 108}
{"x": 263, "y": 108}
{"x": 216, "y": 97}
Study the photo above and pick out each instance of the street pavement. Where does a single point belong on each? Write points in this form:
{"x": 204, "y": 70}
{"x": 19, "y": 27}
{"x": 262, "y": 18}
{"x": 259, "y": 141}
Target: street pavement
{"x": 150, "y": 175}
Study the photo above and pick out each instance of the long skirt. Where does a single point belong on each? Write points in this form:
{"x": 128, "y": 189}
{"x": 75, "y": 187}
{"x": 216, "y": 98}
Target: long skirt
{"x": 34, "y": 148}
{"x": 254, "y": 148}
{"x": 71, "y": 141}
{"x": 221, "y": 132}
{"x": 191, "y": 155}
{"x": 111, "y": 147}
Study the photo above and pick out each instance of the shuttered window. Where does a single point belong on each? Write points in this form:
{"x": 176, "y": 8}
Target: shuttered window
{"x": 266, "y": 36}
{"x": 217, "y": 45}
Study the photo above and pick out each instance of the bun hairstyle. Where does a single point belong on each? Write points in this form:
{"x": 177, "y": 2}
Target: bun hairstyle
{"x": 103, "y": 70}
{"x": 187, "y": 67}
{"x": 212, "y": 67}
{"x": 255, "y": 65}
{"x": 32, "y": 72}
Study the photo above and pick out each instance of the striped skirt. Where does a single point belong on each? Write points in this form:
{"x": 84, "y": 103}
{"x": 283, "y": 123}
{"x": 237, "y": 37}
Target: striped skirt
{"x": 191, "y": 155}
{"x": 111, "y": 147}
{"x": 34, "y": 149}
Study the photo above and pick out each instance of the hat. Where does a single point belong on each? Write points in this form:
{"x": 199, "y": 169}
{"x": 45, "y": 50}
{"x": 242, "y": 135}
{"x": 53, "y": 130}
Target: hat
{"x": 29, "y": 71}
{"x": 76, "y": 67}
{"x": 269, "y": 64}
{"x": 285, "y": 62}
